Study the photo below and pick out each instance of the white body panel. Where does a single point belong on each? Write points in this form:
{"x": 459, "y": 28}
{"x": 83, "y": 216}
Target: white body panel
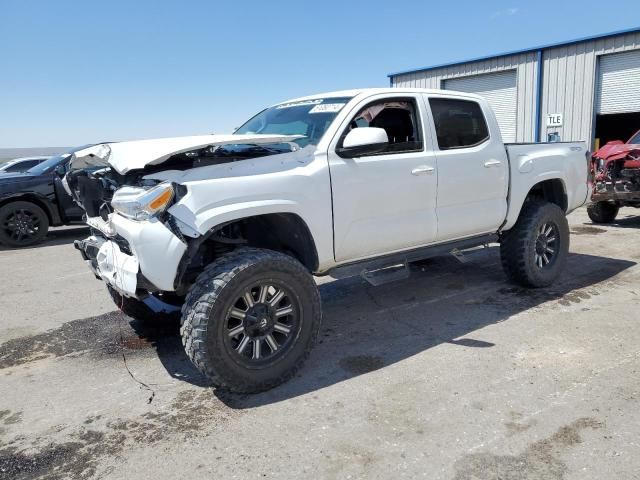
{"x": 472, "y": 183}
{"x": 288, "y": 183}
{"x": 535, "y": 163}
{"x": 354, "y": 208}
{"x": 379, "y": 205}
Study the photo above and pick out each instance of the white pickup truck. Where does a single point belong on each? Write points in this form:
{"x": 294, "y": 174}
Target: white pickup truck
{"x": 230, "y": 229}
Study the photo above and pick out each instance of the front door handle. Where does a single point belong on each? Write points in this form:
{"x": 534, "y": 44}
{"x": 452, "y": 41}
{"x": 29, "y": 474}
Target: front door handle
{"x": 422, "y": 170}
{"x": 492, "y": 163}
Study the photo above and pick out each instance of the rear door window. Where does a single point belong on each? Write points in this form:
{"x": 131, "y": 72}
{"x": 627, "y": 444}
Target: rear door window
{"x": 459, "y": 123}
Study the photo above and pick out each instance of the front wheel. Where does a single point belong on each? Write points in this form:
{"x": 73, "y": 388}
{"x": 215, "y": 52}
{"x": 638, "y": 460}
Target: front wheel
{"x": 602, "y": 212}
{"x": 251, "y": 319}
{"x": 534, "y": 252}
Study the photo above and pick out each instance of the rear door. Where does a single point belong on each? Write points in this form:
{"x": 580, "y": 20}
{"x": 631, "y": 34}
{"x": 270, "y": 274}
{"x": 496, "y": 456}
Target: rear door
{"x": 472, "y": 167}
{"x": 384, "y": 202}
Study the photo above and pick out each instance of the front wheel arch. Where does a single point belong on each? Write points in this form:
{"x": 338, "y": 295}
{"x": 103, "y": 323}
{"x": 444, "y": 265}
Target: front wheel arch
{"x": 282, "y": 232}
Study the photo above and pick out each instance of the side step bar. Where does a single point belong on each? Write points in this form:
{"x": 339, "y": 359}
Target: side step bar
{"x": 389, "y": 268}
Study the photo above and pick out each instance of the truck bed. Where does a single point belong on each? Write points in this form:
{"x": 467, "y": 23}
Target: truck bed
{"x": 530, "y": 163}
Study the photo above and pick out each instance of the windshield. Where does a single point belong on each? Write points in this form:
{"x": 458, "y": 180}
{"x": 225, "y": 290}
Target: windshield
{"x": 53, "y": 162}
{"x": 48, "y": 165}
{"x": 635, "y": 140}
{"x": 310, "y": 118}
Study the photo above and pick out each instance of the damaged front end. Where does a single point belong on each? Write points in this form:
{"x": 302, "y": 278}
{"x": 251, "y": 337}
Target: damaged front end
{"x": 136, "y": 245}
{"x": 616, "y": 172}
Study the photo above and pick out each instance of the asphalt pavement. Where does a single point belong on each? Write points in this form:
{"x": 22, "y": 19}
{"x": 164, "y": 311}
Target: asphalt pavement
{"x": 453, "y": 373}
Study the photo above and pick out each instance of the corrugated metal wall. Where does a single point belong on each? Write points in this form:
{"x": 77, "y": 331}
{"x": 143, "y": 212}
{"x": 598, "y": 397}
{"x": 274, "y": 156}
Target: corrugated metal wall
{"x": 569, "y": 83}
{"x": 618, "y": 83}
{"x": 526, "y": 66}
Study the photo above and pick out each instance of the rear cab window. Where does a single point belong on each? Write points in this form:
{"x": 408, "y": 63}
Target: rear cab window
{"x": 458, "y": 123}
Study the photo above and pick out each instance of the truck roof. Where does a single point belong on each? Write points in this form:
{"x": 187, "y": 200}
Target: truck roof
{"x": 371, "y": 91}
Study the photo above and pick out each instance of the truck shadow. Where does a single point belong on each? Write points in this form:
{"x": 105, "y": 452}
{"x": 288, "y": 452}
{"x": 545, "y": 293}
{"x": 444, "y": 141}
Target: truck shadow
{"x": 367, "y": 328}
{"x": 630, "y": 221}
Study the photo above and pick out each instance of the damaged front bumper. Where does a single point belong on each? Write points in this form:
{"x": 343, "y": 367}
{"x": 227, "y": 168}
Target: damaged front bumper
{"x": 616, "y": 191}
{"x": 133, "y": 257}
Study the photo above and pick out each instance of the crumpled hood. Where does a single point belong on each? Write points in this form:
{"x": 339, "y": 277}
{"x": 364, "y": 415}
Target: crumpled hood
{"x": 616, "y": 150}
{"x": 126, "y": 156}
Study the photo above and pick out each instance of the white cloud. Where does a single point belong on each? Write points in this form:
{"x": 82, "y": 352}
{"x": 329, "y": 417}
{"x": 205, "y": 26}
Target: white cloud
{"x": 506, "y": 12}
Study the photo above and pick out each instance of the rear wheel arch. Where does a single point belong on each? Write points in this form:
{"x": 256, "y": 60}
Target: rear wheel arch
{"x": 551, "y": 191}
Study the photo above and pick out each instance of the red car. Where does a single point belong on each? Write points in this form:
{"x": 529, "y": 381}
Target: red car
{"x": 616, "y": 175}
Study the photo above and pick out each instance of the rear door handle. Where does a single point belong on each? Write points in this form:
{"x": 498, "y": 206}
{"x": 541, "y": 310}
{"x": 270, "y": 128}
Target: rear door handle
{"x": 422, "y": 170}
{"x": 492, "y": 163}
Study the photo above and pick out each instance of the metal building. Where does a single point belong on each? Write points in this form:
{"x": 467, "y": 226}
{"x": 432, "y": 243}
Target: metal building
{"x": 585, "y": 89}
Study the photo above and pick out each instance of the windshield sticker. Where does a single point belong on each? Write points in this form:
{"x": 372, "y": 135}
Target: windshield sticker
{"x": 300, "y": 104}
{"x": 327, "y": 108}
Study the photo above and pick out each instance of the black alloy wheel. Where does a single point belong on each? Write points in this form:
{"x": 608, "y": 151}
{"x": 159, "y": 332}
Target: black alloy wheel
{"x": 535, "y": 250}
{"x": 251, "y": 319}
{"x": 545, "y": 252}
{"x": 262, "y": 324}
{"x": 22, "y": 224}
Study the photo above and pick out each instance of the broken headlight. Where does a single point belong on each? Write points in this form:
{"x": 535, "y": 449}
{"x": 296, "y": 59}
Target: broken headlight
{"x": 140, "y": 203}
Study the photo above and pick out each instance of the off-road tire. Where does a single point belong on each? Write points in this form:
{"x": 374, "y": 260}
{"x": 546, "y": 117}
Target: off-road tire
{"x": 35, "y": 212}
{"x": 602, "y": 212}
{"x": 138, "y": 310}
{"x": 518, "y": 245}
{"x": 210, "y": 297}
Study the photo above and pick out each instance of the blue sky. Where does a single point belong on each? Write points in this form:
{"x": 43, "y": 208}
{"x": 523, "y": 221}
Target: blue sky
{"x": 74, "y": 72}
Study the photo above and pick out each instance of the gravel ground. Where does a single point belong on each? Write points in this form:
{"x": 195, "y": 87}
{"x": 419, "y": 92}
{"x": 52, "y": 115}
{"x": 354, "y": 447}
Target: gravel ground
{"x": 451, "y": 374}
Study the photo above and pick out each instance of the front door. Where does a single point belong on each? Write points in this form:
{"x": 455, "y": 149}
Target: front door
{"x": 69, "y": 210}
{"x": 385, "y": 202}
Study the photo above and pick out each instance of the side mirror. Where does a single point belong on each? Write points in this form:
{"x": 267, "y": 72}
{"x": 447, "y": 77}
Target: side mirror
{"x": 60, "y": 170}
{"x": 363, "y": 141}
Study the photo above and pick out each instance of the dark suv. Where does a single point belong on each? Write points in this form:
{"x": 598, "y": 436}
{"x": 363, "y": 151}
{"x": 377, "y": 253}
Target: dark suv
{"x": 32, "y": 201}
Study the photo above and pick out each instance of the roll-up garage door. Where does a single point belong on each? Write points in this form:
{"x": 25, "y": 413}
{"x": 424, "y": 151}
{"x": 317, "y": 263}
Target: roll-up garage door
{"x": 618, "y": 83}
{"x": 500, "y": 91}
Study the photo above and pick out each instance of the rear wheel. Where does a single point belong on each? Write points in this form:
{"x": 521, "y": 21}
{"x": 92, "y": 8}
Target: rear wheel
{"x": 22, "y": 224}
{"x": 534, "y": 252}
{"x": 602, "y": 212}
{"x": 250, "y": 320}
